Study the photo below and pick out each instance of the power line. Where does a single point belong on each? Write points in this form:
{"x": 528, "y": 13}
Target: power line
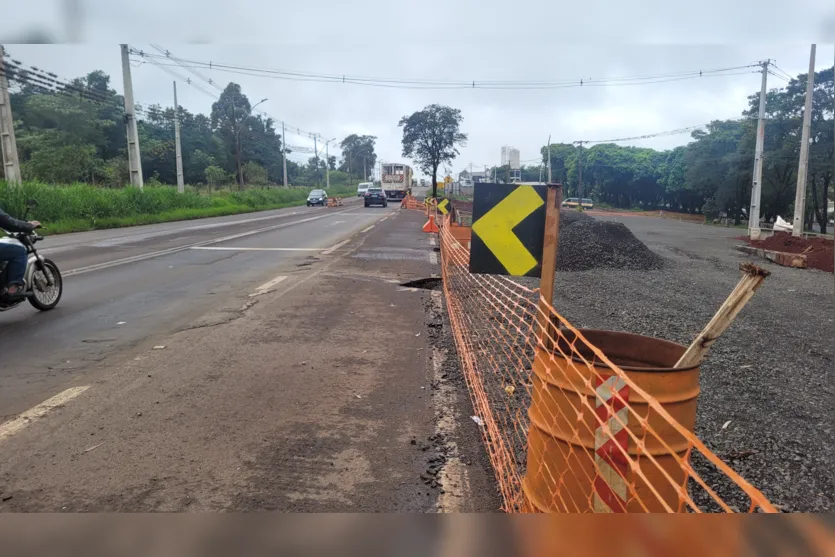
{"x": 470, "y": 84}
{"x": 786, "y": 75}
{"x": 775, "y": 74}
{"x": 647, "y": 136}
{"x": 166, "y": 55}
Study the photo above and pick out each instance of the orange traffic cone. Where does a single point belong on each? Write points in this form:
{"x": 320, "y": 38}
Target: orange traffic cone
{"x": 430, "y": 225}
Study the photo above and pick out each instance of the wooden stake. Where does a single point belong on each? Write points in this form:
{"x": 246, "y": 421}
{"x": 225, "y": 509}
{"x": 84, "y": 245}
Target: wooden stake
{"x": 752, "y": 278}
{"x": 550, "y": 246}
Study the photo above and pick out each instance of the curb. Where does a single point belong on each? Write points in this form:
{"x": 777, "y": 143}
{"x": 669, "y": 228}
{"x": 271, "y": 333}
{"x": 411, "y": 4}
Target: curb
{"x": 794, "y": 260}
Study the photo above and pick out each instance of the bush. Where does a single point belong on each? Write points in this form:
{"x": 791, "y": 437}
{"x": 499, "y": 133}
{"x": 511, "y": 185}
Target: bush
{"x": 85, "y": 207}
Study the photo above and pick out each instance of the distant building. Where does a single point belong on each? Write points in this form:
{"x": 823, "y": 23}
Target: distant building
{"x": 479, "y": 177}
{"x": 510, "y": 155}
{"x": 475, "y": 177}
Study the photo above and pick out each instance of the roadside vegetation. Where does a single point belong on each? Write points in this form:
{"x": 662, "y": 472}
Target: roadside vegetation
{"x": 712, "y": 174}
{"x": 73, "y": 154}
{"x": 80, "y": 207}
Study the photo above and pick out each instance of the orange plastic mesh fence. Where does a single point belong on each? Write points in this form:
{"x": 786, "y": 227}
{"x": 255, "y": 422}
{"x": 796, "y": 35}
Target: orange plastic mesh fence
{"x": 565, "y": 428}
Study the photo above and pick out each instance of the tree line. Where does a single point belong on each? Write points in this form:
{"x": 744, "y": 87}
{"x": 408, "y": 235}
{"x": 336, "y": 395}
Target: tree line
{"x": 77, "y": 134}
{"x": 713, "y": 173}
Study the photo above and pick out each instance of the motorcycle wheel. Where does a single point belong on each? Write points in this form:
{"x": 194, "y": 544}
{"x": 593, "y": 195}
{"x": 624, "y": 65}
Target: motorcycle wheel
{"x": 44, "y": 299}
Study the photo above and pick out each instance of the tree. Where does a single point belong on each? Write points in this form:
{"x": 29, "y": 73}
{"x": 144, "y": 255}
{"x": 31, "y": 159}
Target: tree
{"x": 431, "y": 137}
{"x": 215, "y": 176}
{"x": 563, "y": 160}
{"x": 227, "y": 113}
{"x": 358, "y": 153}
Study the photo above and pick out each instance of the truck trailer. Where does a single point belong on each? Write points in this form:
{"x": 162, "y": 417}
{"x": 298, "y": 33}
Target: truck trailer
{"x": 396, "y": 179}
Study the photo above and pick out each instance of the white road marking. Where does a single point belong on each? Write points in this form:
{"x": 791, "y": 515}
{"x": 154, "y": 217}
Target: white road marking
{"x": 432, "y": 241}
{"x": 137, "y": 236}
{"x": 267, "y": 286}
{"x": 332, "y": 249}
{"x": 223, "y": 248}
{"x": 17, "y": 424}
{"x": 334, "y": 223}
{"x": 364, "y": 230}
{"x": 153, "y": 254}
{"x": 433, "y": 258}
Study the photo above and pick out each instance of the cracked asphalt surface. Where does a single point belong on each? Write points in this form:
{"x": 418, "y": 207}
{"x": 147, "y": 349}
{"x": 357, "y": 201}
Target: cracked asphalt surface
{"x": 209, "y": 391}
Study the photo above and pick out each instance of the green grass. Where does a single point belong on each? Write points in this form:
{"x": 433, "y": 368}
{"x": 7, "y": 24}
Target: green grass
{"x": 81, "y": 207}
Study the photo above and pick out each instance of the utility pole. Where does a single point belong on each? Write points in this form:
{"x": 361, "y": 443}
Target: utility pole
{"x": 364, "y": 169}
{"x": 756, "y": 188}
{"x": 316, "y": 155}
{"x": 181, "y": 188}
{"x": 134, "y": 160}
{"x": 284, "y": 153}
{"x": 549, "y": 160}
{"x": 8, "y": 143}
{"x": 327, "y": 166}
{"x": 802, "y": 169}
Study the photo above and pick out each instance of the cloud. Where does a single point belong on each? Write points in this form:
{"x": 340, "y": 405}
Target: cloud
{"x": 460, "y": 41}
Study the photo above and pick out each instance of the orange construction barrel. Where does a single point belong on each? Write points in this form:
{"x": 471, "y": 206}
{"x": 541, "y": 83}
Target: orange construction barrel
{"x": 568, "y": 469}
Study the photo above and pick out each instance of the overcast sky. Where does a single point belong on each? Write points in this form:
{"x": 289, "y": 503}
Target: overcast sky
{"x": 461, "y": 41}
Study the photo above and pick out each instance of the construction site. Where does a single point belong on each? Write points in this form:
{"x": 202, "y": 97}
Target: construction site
{"x": 736, "y": 429}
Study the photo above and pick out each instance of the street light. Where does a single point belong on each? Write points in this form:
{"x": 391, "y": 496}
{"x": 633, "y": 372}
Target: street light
{"x": 238, "y": 140}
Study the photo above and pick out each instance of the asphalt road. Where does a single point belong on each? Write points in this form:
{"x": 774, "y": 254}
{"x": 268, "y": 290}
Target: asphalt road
{"x": 126, "y": 287}
{"x": 288, "y": 370}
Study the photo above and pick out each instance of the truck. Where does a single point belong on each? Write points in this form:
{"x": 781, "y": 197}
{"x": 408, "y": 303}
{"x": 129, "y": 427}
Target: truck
{"x": 396, "y": 179}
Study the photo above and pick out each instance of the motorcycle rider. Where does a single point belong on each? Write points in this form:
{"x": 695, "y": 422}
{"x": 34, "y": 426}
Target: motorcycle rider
{"x": 16, "y": 255}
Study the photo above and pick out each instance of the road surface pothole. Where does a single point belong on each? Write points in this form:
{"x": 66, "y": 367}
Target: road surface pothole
{"x": 431, "y": 283}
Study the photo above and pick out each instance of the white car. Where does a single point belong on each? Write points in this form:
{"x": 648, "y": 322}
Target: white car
{"x": 363, "y": 187}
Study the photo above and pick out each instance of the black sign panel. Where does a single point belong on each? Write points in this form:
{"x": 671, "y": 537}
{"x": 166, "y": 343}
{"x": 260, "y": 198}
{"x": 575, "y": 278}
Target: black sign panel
{"x": 508, "y": 229}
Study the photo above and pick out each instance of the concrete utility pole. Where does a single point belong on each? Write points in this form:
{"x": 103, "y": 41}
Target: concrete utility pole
{"x": 756, "y": 188}
{"x": 549, "y": 160}
{"x": 316, "y": 155}
{"x": 181, "y": 187}
{"x": 134, "y": 160}
{"x": 8, "y": 143}
{"x": 802, "y": 169}
{"x": 284, "y": 153}
{"x": 327, "y": 166}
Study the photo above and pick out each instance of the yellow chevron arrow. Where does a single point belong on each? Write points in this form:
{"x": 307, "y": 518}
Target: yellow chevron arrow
{"x": 442, "y": 206}
{"x": 496, "y": 229}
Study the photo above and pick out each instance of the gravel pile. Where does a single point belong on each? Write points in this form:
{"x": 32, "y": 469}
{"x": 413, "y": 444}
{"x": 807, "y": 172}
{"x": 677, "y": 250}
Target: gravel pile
{"x": 589, "y": 244}
{"x": 570, "y": 217}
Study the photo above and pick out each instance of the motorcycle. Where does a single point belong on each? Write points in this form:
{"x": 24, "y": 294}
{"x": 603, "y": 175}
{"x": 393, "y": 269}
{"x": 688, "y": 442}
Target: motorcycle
{"x": 43, "y": 282}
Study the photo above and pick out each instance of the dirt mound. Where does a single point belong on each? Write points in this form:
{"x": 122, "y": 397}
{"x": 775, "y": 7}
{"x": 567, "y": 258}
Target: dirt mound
{"x": 590, "y": 244}
{"x": 570, "y": 217}
{"x": 818, "y": 251}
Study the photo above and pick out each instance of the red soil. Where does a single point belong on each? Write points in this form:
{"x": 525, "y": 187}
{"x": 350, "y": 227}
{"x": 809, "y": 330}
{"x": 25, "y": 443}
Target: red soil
{"x": 818, "y": 251}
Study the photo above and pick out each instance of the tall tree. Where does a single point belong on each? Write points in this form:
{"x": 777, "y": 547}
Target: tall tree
{"x": 432, "y": 136}
{"x": 227, "y": 114}
{"x": 358, "y": 154}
